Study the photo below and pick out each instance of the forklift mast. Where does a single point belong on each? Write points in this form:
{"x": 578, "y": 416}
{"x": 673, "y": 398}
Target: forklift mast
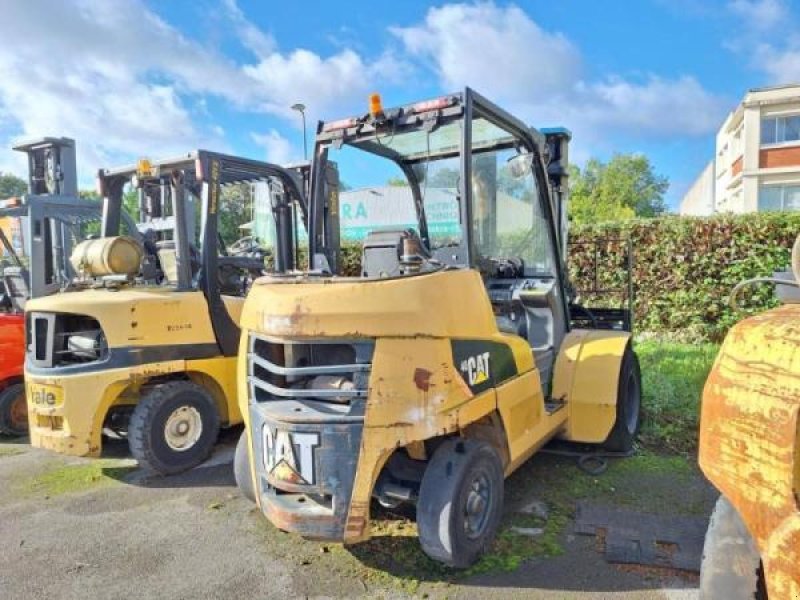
{"x": 48, "y": 217}
{"x": 557, "y": 141}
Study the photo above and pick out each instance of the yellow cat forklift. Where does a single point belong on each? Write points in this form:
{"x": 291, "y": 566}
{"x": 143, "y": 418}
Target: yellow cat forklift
{"x": 452, "y": 359}
{"x": 143, "y": 342}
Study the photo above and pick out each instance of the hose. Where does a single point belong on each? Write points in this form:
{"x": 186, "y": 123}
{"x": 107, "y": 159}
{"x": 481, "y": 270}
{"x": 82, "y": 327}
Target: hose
{"x": 593, "y": 463}
{"x": 743, "y": 284}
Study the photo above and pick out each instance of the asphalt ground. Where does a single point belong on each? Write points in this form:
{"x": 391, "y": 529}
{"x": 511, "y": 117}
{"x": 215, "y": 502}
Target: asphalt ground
{"x": 101, "y": 528}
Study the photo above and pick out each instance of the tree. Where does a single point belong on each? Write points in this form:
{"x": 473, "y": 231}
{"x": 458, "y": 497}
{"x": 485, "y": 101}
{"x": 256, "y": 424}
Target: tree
{"x": 622, "y": 188}
{"x": 445, "y": 177}
{"x": 397, "y": 182}
{"x": 235, "y": 209}
{"x": 11, "y": 185}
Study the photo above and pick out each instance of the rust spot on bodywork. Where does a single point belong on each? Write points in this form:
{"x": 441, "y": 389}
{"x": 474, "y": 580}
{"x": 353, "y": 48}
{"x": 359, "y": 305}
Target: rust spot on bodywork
{"x": 422, "y": 379}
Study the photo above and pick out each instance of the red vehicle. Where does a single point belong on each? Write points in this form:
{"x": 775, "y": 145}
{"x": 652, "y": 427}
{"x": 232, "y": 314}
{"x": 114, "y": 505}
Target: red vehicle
{"x": 13, "y": 409}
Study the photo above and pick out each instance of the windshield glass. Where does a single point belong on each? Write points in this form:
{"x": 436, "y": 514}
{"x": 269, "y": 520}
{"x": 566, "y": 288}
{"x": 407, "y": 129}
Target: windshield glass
{"x": 378, "y": 194}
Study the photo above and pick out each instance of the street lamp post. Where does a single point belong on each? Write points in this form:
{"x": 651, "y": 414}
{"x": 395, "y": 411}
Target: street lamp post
{"x": 301, "y": 108}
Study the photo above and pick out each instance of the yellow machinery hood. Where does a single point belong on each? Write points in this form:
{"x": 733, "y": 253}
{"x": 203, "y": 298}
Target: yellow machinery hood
{"x": 449, "y": 303}
{"x": 137, "y": 316}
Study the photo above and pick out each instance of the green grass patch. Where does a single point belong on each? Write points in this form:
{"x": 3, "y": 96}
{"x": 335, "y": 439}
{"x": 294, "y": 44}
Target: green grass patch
{"x": 66, "y": 479}
{"x": 6, "y": 451}
{"x": 673, "y": 375}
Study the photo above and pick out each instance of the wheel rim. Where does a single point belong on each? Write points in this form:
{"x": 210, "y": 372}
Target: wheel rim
{"x": 19, "y": 412}
{"x": 633, "y": 401}
{"x": 183, "y": 428}
{"x": 477, "y": 506}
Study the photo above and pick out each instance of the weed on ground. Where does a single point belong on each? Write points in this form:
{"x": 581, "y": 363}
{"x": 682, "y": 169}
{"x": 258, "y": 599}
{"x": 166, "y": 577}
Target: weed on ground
{"x": 393, "y": 558}
{"x": 673, "y": 375}
{"x": 68, "y": 478}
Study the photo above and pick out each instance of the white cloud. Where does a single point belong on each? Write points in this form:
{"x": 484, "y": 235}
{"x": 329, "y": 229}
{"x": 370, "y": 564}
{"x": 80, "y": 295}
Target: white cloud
{"x": 277, "y": 148}
{"x": 123, "y": 82}
{"x": 767, "y": 38}
{"x": 493, "y": 48}
{"x": 662, "y": 106}
{"x": 507, "y": 56}
{"x": 112, "y": 76}
{"x": 760, "y": 14}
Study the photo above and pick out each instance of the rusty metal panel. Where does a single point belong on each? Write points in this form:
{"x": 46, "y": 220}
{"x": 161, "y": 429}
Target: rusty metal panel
{"x": 749, "y": 436}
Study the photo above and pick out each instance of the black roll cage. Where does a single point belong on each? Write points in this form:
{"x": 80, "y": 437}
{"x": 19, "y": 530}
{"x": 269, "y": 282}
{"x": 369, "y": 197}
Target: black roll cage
{"x": 202, "y": 173}
{"x": 465, "y": 107}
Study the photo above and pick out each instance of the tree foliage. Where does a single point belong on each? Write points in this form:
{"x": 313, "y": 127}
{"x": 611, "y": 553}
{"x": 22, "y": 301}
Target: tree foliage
{"x": 235, "y": 210}
{"x": 11, "y": 185}
{"x": 622, "y": 188}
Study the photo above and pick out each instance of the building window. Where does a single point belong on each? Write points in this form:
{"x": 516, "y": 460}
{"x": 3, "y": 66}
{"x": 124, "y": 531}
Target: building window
{"x": 778, "y": 197}
{"x": 778, "y": 130}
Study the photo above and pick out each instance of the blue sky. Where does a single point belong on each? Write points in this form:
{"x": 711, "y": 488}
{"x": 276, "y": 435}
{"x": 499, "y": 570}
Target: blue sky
{"x": 132, "y": 77}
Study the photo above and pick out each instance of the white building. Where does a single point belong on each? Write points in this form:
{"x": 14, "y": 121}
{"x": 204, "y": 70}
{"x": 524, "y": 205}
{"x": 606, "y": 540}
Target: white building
{"x": 756, "y": 166}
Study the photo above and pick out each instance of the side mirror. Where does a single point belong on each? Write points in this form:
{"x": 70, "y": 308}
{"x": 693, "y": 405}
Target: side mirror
{"x": 520, "y": 165}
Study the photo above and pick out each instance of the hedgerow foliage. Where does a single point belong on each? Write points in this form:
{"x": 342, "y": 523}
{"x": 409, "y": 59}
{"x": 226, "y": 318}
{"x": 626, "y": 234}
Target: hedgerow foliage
{"x": 684, "y": 268}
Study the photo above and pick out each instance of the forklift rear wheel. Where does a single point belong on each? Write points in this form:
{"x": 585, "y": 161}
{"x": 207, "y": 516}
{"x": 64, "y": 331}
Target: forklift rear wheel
{"x": 460, "y": 502}
{"x": 13, "y": 410}
{"x": 731, "y": 567}
{"x": 629, "y": 405}
{"x": 173, "y": 427}
{"x": 241, "y": 469}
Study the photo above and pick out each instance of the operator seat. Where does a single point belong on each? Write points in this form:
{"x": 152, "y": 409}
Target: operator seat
{"x": 382, "y": 251}
{"x": 542, "y": 309}
{"x": 168, "y": 259}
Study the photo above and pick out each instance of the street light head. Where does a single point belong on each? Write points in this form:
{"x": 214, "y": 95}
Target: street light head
{"x": 299, "y": 107}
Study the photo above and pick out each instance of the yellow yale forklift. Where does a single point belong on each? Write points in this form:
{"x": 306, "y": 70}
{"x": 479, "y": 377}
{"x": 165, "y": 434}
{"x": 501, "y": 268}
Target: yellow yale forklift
{"x": 143, "y": 343}
{"x": 452, "y": 359}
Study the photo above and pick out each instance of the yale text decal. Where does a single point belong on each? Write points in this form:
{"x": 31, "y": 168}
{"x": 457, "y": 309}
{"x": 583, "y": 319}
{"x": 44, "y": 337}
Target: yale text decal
{"x": 289, "y": 456}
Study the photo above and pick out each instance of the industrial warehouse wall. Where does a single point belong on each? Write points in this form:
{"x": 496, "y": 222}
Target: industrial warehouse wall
{"x": 685, "y": 267}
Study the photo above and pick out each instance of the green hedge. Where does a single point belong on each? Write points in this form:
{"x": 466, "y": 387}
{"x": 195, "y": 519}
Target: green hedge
{"x": 684, "y": 268}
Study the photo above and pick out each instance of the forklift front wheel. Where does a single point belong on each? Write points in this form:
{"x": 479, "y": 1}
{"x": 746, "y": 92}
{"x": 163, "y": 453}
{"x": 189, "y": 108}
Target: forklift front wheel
{"x": 460, "y": 502}
{"x": 173, "y": 427}
{"x": 241, "y": 469}
{"x": 629, "y": 405}
{"x": 13, "y": 410}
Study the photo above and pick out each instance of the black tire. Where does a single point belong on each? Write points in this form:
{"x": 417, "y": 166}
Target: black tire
{"x": 629, "y": 405}
{"x": 13, "y": 410}
{"x": 156, "y": 428}
{"x": 731, "y": 568}
{"x": 241, "y": 468}
{"x": 447, "y": 532}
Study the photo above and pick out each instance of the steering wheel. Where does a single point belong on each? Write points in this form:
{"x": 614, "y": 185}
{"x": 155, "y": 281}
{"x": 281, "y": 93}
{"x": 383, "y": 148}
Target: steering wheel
{"x": 245, "y": 245}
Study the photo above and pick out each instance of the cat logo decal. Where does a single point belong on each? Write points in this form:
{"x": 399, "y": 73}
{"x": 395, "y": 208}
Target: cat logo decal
{"x": 476, "y": 368}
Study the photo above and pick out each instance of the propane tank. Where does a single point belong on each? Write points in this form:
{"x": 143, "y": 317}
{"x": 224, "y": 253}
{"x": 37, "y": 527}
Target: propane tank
{"x": 107, "y": 256}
